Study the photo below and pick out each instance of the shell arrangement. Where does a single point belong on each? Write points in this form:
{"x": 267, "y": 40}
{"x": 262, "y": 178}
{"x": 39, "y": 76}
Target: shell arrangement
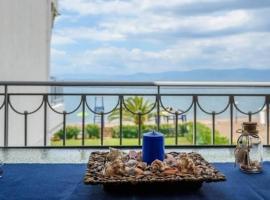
{"x": 119, "y": 163}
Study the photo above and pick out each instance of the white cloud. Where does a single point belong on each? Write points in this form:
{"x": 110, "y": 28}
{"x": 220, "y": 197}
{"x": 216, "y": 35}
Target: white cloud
{"x": 124, "y": 7}
{"x": 226, "y": 52}
{"x": 85, "y": 33}
{"x": 58, "y": 39}
{"x": 117, "y": 29}
{"x": 156, "y": 25}
{"x": 229, "y": 20}
{"x": 151, "y": 36}
{"x": 56, "y": 54}
{"x": 89, "y": 7}
{"x": 136, "y": 19}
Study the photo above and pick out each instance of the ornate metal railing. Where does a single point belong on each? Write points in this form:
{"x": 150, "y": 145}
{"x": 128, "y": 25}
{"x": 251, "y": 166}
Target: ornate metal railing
{"x": 157, "y": 107}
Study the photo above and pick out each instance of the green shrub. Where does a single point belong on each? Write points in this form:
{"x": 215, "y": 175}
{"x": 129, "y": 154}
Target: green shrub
{"x": 92, "y": 130}
{"x": 71, "y": 132}
{"x": 128, "y": 131}
{"x": 183, "y": 130}
{"x": 204, "y": 135}
{"x": 131, "y": 131}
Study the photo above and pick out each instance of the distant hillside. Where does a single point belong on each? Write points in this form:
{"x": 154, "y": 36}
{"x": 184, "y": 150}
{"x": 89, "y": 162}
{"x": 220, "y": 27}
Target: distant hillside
{"x": 193, "y": 75}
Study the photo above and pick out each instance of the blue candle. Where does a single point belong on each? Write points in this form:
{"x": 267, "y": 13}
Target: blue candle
{"x": 153, "y": 147}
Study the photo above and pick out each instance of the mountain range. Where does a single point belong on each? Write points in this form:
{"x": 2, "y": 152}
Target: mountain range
{"x": 192, "y": 75}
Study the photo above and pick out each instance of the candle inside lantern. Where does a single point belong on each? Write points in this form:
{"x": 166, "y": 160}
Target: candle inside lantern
{"x": 153, "y": 147}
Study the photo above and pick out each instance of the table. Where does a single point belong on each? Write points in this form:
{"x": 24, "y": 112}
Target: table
{"x": 65, "y": 181}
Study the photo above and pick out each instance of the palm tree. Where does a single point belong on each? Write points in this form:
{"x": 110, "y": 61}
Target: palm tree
{"x": 136, "y": 105}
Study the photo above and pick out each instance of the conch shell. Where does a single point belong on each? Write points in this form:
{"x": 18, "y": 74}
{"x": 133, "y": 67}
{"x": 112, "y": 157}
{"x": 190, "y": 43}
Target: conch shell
{"x": 114, "y": 154}
{"x": 186, "y": 165}
{"x": 157, "y": 165}
{"x": 116, "y": 167}
{"x": 108, "y": 170}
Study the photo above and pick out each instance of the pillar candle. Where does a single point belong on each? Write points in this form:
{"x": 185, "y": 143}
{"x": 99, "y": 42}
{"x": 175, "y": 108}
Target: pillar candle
{"x": 153, "y": 147}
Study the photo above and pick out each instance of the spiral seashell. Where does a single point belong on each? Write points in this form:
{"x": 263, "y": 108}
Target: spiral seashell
{"x": 138, "y": 171}
{"x": 142, "y": 165}
{"x": 157, "y": 165}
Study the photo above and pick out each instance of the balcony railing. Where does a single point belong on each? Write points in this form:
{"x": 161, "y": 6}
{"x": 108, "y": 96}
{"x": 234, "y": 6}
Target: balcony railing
{"x": 158, "y": 91}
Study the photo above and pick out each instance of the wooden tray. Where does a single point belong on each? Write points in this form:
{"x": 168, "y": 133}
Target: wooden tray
{"x": 184, "y": 181}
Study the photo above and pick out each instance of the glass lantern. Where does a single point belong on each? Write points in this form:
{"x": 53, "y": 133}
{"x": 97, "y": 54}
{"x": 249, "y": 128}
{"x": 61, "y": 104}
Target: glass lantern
{"x": 249, "y": 149}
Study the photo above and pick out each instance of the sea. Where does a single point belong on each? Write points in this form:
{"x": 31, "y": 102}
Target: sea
{"x": 176, "y": 98}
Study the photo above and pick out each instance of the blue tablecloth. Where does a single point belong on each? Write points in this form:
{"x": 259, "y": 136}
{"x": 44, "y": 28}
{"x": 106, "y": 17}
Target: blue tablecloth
{"x": 65, "y": 181}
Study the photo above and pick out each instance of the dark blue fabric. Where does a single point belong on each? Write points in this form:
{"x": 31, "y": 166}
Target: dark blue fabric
{"x": 65, "y": 181}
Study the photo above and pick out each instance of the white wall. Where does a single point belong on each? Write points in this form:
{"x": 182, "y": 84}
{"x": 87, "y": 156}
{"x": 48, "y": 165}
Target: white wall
{"x": 25, "y": 35}
{"x": 25, "y": 32}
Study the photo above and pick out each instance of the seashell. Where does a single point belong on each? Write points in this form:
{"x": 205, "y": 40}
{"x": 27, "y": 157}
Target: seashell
{"x": 125, "y": 157}
{"x": 147, "y": 173}
{"x": 197, "y": 171}
{"x": 170, "y": 171}
{"x": 129, "y": 171}
{"x": 108, "y": 170}
{"x": 139, "y": 156}
{"x": 189, "y": 166}
{"x": 169, "y": 156}
{"x": 114, "y": 154}
{"x": 157, "y": 165}
{"x": 142, "y": 165}
{"x": 138, "y": 171}
{"x": 170, "y": 160}
{"x": 132, "y": 155}
{"x": 184, "y": 154}
{"x": 186, "y": 164}
{"x": 117, "y": 163}
{"x": 133, "y": 171}
{"x": 241, "y": 155}
{"x": 131, "y": 163}
{"x": 139, "y": 176}
{"x": 114, "y": 168}
{"x": 99, "y": 168}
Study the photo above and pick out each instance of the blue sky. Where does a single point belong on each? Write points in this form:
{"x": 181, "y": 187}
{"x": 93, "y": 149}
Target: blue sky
{"x": 133, "y": 36}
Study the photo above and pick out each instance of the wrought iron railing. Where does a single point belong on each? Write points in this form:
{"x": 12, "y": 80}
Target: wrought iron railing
{"x": 157, "y": 107}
